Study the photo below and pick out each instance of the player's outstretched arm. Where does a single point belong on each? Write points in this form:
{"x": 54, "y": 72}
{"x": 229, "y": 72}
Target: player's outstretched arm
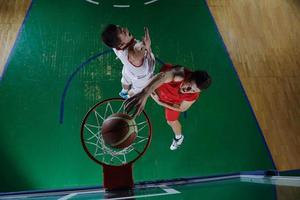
{"x": 184, "y": 106}
{"x": 139, "y": 100}
{"x": 147, "y": 40}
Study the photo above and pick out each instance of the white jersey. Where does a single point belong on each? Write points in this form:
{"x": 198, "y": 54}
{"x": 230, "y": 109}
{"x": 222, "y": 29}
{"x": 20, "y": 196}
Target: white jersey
{"x": 121, "y": 55}
{"x": 136, "y": 76}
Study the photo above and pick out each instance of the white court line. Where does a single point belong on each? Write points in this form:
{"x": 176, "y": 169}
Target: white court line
{"x": 68, "y": 196}
{"x": 121, "y": 6}
{"x": 74, "y": 194}
{"x": 148, "y": 2}
{"x": 168, "y": 191}
{"x": 93, "y": 2}
{"x": 275, "y": 180}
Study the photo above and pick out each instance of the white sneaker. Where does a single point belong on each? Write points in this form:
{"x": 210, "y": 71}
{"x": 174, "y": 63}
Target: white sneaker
{"x": 176, "y": 143}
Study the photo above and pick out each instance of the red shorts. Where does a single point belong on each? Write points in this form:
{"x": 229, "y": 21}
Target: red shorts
{"x": 171, "y": 115}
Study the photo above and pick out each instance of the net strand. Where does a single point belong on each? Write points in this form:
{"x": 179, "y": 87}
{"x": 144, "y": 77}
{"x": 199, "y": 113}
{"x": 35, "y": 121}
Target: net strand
{"x": 108, "y": 105}
{"x": 97, "y": 114}
{"x": 106, "y": 153}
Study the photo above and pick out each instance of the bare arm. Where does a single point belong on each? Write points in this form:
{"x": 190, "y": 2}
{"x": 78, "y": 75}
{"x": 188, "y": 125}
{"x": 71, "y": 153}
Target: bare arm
{"x": 147, "y": 41}
{"x": 185, "y": 105}
{"x": 139, "y": 100}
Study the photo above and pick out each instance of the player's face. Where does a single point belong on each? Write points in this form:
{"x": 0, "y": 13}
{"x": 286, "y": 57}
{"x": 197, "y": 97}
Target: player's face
{"x": 189, "y": 87}
{"x": 125, "y": 37}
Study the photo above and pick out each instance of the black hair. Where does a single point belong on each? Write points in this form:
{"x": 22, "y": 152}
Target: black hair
{"x": 201, "y": 78}
{"x": 110, "y": 36}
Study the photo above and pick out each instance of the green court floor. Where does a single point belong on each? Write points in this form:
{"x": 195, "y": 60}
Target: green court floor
{"x": 40, "y": 148}
{"x": 222, "y": 190}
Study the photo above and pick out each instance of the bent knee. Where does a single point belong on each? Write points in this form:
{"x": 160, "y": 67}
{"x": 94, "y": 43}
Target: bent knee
{"x": 172, "y": 122}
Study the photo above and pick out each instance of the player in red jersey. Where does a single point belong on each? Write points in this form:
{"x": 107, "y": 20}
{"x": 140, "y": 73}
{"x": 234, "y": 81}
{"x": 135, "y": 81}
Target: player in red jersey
{"x": 175, "y": 88}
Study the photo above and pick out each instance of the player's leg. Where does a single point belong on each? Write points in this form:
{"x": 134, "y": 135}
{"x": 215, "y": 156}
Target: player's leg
{"x": 124, "y": 92}
{"x": 172, "y": 119}
{"x": 176, "y": 127}
{"x": 126, "y": 84}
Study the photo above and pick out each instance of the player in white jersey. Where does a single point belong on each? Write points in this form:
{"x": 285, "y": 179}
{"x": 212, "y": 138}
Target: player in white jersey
{"x": 137, "y": 58}
{"x": 139, "y": 65}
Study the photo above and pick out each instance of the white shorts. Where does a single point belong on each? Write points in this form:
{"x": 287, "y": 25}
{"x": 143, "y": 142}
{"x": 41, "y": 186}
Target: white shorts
{"x": 137, "y": 85}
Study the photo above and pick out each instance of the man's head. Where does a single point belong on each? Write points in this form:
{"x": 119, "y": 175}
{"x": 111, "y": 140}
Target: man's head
{"x": 116, "y": 37}
{"x": 197, "y": 81}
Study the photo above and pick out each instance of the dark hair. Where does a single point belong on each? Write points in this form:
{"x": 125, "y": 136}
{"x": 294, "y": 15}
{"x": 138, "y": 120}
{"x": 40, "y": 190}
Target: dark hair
{"x": 202, "y": 79}
{"x": 110, "y": 36}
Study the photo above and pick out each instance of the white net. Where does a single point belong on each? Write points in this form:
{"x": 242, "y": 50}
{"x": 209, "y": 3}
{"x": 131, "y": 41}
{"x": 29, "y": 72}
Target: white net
{"x": 93, "y": 141}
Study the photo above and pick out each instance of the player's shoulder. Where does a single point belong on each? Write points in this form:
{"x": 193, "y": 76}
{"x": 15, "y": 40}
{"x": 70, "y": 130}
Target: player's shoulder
{"x": 122, "y": 54}
{"x": 170, "y": 67}
{"x": 176, "y": 71}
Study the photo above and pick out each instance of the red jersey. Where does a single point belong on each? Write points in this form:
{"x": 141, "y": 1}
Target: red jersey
{"x": 170, "y": 92}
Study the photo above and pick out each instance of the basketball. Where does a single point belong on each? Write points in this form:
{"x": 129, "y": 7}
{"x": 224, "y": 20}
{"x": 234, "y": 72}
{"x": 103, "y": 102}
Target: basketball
{"x": 119, "y": 130}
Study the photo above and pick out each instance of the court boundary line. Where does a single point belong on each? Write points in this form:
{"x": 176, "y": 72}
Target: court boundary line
{"x": 274, "y": 180}
{"x": 16, "y": 41}
{"x": 153, "y": 184}
{"x": 121, "y": 6}
{"x": 240, "y": 83}
{"x": 168, "y": 191}
{"x": 93, "y": 2}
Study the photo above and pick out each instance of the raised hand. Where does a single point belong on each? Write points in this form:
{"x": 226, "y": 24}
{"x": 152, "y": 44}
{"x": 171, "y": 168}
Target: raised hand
{"x": 146, "y": 39}
{"x": 136, "y": 102}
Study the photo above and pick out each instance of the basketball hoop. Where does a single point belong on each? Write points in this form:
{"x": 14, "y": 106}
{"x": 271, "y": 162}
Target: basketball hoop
{"x": 116, "y": 162}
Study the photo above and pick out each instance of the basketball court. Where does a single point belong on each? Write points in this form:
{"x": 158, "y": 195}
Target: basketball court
{"x": 59, "y": 69}
{"x": 229, "y": 187}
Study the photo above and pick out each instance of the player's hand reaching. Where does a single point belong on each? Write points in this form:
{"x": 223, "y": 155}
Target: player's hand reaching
{"x": 147, "y": 40}
{"x": 136, "y": 102}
